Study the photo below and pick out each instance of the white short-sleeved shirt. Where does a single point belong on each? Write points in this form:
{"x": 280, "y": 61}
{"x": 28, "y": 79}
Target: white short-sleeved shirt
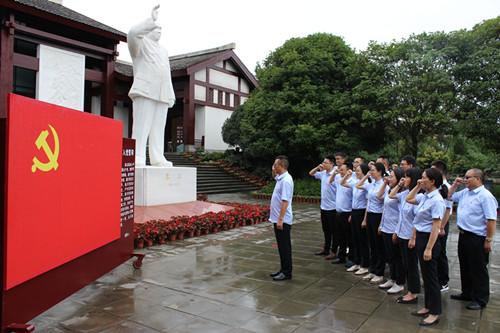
{"x": 404, "y": 229}
{"x": 359, "y": 199}
{"x": 390, "y": 217}
{"x": 475, "y": 208}
{"x": 430, "y": 206}
{"x": 344, "y": 196}
{"x": 374, "y": 205}
{"x": 327, "y": 191}
{"x": 283, "y": 191}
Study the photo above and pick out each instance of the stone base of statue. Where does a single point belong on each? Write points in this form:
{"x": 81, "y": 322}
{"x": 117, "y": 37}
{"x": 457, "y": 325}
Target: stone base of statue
{"x": 162, "y": 185}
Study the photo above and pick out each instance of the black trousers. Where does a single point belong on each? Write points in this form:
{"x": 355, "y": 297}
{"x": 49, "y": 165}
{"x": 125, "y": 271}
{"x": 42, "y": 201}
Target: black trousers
{"x": 377, "y": 255}
{"x": 473, "y": 267}
{"x": 393, "y": 257}
{"x": 432, "y": 288}
{"x": 360, "y": 246}
{"x": 343, "y": 233}
{"x": 328, "y": 226}
{"x": 283, "y": 238}
{"x": 409, "y": 262}
{"x": 443, "y": 268}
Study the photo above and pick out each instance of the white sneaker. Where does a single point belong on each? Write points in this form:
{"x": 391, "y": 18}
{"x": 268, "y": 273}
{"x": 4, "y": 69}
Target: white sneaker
{"x": 445, "y": 287}
{"x": 361, "y": 271}
{"x": 353, "y": 268}
{"x": 396, "y": 288}
{"x": 369, "y": 276}
{"x": 389, "y": 283}
{"x": 377, "y": 280}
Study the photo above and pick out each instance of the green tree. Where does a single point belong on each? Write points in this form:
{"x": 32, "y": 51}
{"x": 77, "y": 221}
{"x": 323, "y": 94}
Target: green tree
{"x": 414, "y": 90}
{"x": 304, "y": 106}
{"x": 477, "y": 77}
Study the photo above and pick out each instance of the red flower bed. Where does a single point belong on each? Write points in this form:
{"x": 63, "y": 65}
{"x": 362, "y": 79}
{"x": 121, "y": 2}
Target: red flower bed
{"x": 157, "y": 230}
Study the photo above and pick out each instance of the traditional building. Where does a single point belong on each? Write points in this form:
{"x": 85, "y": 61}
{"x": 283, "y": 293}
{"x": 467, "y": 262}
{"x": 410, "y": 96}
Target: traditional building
{"x": 52, "y": 53}
{"x": 57, "y": 55}
{"x": 208, "y": 85}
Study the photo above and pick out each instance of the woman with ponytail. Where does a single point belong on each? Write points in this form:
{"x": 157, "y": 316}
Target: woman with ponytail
{"x": 429, "y": 212}
{"x": 373, "y": 216}
{"x": 408, "y": 259}
{"x": 390, "y": 219}
{"x": 359, "y": 237}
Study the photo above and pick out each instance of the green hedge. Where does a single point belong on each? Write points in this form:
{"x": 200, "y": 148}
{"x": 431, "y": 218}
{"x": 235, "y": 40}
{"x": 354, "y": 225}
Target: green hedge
{"x": 304, "y": 187}
{"x": 496, "y": 191}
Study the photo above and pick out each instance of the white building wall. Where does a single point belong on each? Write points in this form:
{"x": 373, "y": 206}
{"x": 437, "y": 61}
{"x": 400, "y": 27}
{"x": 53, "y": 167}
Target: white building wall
{"x": 215, "y": 118}
{"x": 201, "y": 75}
{"x": 199, "y": 122}
{"x": 223, "y": 79}
{"x": 200, "y": 92}
{"x": 231, "y": 67}
{"x": 245, "y": 88}
{"x": 121, "y": 113}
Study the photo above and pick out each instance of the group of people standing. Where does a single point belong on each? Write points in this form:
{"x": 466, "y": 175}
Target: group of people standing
{"x": 375, "y": 216}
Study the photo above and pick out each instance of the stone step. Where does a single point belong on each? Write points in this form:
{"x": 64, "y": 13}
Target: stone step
{"x": 211, "y": 179}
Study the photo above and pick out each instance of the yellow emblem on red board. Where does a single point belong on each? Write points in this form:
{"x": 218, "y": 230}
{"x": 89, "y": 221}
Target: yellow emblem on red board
{"x": 53, "y": 155}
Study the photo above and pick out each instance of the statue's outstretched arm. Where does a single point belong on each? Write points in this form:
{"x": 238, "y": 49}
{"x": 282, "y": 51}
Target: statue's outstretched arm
{"x": 141, "y": 29}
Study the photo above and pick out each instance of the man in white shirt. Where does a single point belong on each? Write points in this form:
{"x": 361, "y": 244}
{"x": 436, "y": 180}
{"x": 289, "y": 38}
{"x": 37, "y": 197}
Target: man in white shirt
{"x": 281, "y": 216}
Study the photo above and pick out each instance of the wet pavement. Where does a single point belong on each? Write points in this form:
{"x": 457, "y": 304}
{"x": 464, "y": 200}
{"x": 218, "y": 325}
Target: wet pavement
{"x": 220, "y": 283}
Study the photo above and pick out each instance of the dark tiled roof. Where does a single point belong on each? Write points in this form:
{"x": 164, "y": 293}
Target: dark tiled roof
{"x": 124, "y": 68}
{"x": 177, "y": 64}
{"x": 61, "y": 11}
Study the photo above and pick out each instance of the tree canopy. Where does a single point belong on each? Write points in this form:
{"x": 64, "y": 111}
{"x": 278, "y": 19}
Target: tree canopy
{"x": 317, "y": 95}
{"x": 477, "y": 76}
{"x": 303, "y": 107}
{"x": 413, "y": 86}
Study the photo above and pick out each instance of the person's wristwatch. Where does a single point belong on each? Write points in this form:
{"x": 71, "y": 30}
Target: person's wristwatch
{"x": 489, "y": 239}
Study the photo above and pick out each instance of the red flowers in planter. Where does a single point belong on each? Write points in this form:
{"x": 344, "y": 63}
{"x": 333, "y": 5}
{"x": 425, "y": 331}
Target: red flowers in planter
{"x": 157, "y": 230}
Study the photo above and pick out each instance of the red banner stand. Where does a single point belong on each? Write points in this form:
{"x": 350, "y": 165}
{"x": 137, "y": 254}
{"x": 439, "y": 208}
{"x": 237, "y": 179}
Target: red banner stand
{"x": 27, "y": 300}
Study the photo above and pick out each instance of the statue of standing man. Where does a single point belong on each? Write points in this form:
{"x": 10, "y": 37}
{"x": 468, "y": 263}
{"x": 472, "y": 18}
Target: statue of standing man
{"x": 152, "y": 92}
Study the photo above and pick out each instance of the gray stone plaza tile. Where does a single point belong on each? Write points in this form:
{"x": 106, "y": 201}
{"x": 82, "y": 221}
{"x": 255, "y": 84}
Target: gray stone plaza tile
{"x": 271, "y": 323}
{"x": 220, "y": 283}
{"x": 339, "y": 319}
{"x": 257, "y": 301}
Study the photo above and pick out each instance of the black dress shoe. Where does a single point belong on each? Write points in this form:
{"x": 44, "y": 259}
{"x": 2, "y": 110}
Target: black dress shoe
{"x": 275, "y": 274}
{"x": 475, "y": 306}
{"x": 338, "y": 261}
{"x": 281, "y": 277}
{"x": 423, "y": 323}
{"x": 460, "y": 297}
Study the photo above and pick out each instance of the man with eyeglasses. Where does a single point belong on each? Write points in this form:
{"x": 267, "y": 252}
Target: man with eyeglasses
{"x": 323, "y": 172}
{"x": 407, "y": 162}
{"x": 476, "y": 221}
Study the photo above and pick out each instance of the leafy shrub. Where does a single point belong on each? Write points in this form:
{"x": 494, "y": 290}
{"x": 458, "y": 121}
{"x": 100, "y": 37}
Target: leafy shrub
{"x": 305, "y": 187}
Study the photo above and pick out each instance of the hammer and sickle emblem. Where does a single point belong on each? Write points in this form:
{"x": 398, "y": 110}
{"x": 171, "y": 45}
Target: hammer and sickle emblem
{"x": 41, "y": 142}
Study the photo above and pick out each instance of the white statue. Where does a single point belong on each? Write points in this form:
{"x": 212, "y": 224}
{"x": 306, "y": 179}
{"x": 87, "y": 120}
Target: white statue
{"x": 152, "y": 92}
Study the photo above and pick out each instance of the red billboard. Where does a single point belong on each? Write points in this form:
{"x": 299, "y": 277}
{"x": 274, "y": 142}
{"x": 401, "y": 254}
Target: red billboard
{"x": 63, "y": 186}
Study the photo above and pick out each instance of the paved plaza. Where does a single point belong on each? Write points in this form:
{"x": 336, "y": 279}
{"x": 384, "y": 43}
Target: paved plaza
{"x": 220, "y": 283}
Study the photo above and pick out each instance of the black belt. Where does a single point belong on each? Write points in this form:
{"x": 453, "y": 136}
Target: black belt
{"x": 463, "y": 232}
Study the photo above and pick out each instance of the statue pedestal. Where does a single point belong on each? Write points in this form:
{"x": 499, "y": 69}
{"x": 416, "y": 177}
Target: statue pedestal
{"x": 161, "y": 185}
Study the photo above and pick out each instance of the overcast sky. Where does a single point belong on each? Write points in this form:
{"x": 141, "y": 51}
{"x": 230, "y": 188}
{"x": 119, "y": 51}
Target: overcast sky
{"x": 260, "y": 26}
